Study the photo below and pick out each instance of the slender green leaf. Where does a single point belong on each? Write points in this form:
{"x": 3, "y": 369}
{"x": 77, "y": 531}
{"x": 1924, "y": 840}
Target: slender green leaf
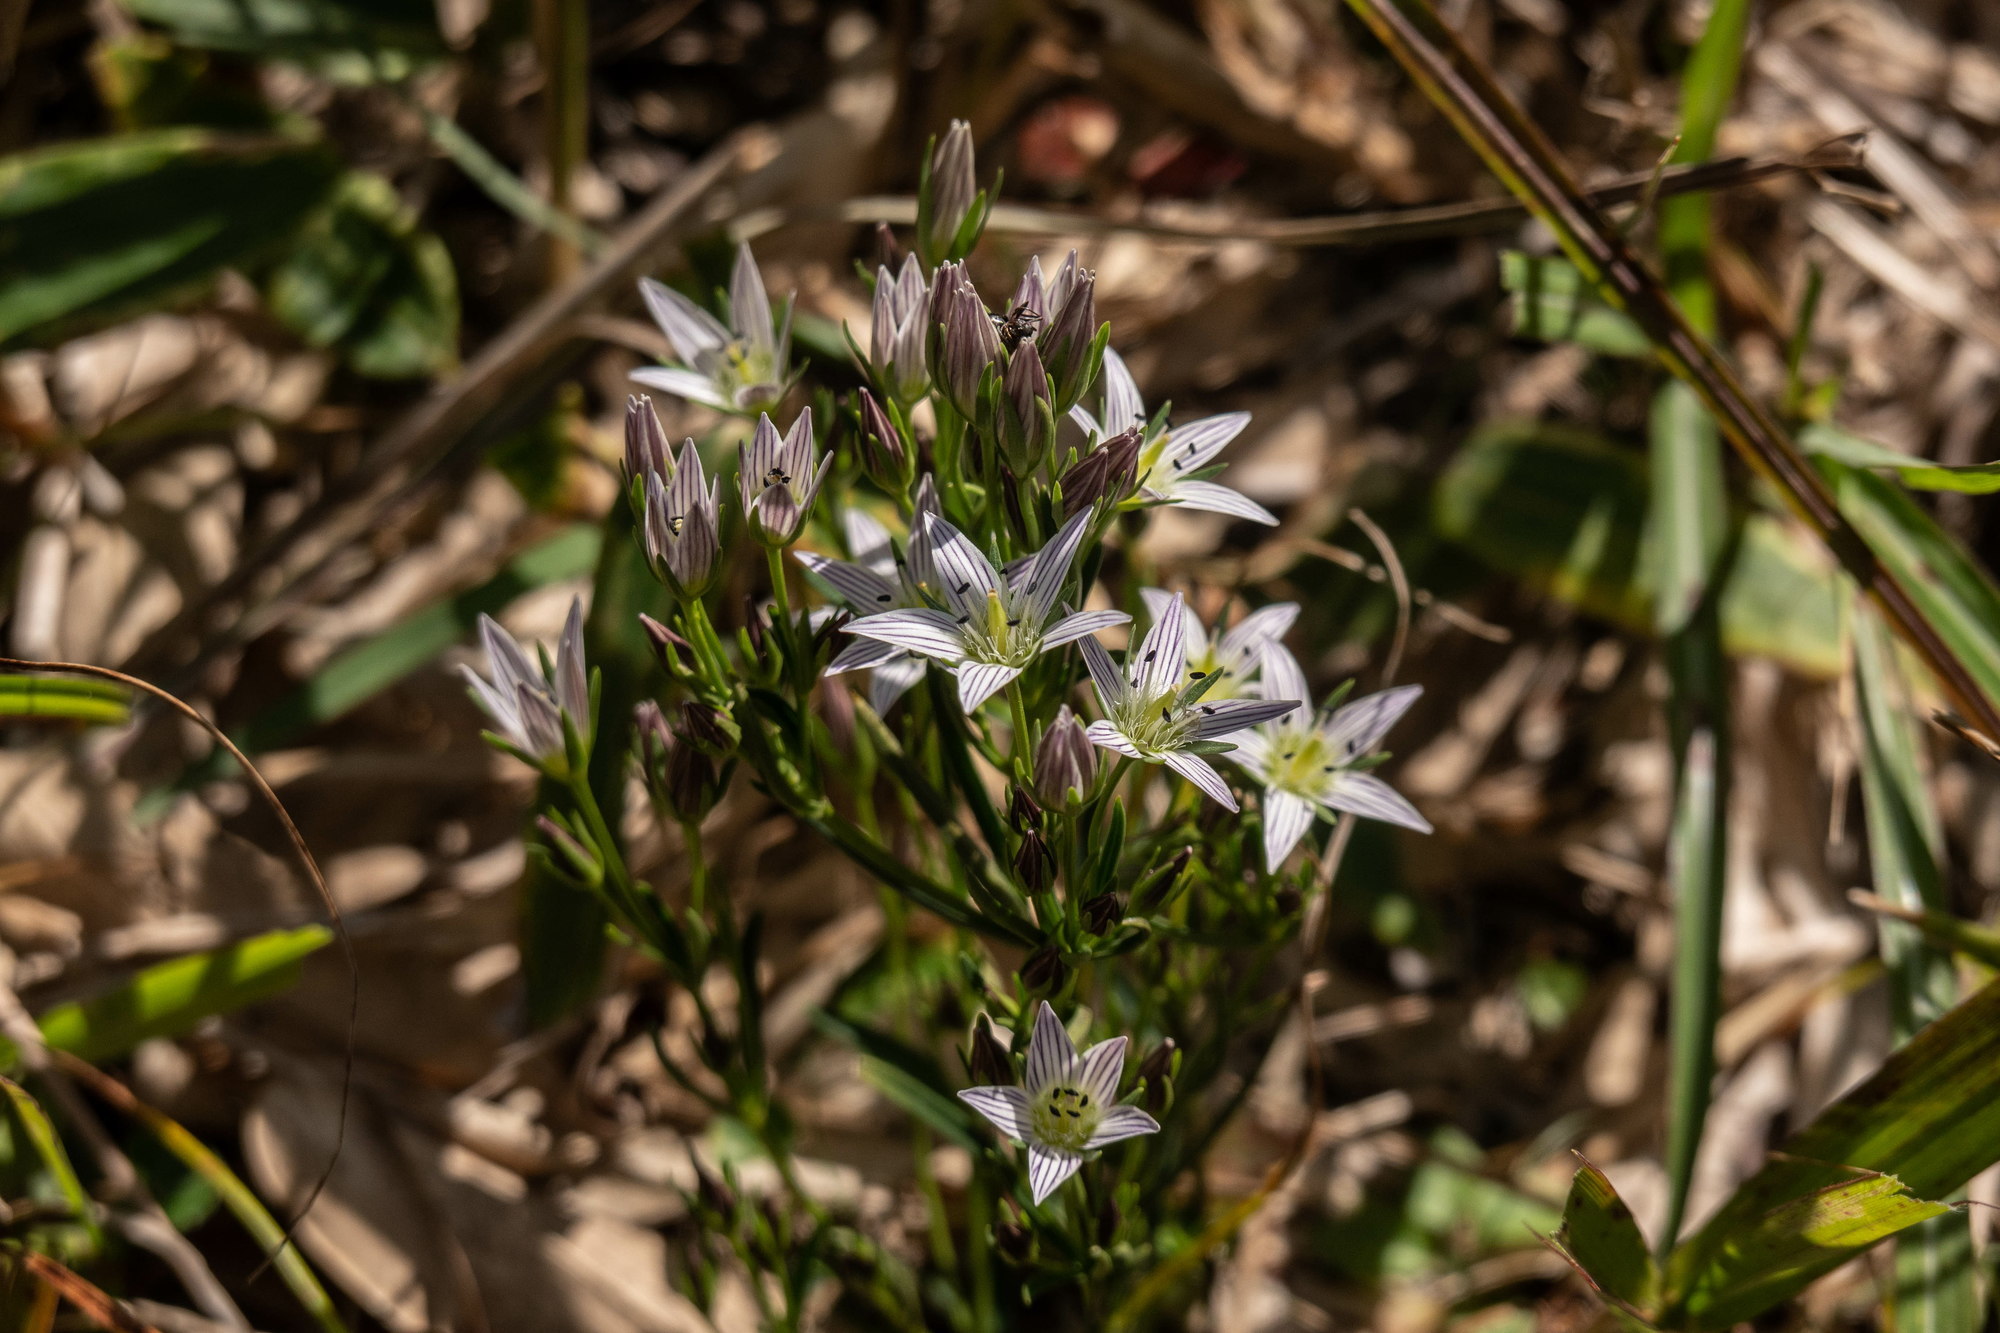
{"x": 1917, "y": 473}
{"x": 169, "y": 998}
{"x": 96, "y": 229}
{"x": 357, "y": 39}
{"x": 1957, "y": 597}
{"x": 97, "y": 703}
{"x": 1601, "y": 1237}
{"x": 49, "y": 1147}
{"x": 1553, "y": 303}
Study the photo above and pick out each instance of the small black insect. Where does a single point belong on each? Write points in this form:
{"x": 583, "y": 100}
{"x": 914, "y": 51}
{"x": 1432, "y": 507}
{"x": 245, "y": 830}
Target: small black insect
{"x": 777, "y": 476}
{"x": 1017, "y": 325}
{"x": 675, "y": 522}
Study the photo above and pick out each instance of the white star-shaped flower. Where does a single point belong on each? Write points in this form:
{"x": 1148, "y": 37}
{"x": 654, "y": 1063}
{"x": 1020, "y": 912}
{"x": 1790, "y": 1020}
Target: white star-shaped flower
{"x": 873, "y": 582}
{"x": 1170, "y": 457}
{"x": 742, "y": 367}
{"x": 1154, "y": 712}
{"x": 528, "y": 703}
{"x": 987, "y": 625}
{"x": 1232, "y": 659}
{"x": 1065, "y": 1107}
{"x": 1306, "y": 762}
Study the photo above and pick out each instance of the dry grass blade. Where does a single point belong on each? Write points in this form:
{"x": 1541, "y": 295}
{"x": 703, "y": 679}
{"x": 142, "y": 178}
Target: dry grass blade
{"x": 98, "y": 1307}
{"x": 1529, "y": 165}
{"x": 305, "y": 857}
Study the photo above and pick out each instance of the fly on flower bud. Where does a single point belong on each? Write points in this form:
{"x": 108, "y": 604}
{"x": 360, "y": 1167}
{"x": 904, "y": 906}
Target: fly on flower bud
{"x": 950, "y": 207}
{"x": 646, "y": 452}
{"x": 1065, "y": 762}
{"x": 884, "y": 455}
{"x": 1107, "y": 472}
{"x": 988, "y": 1062}
{"x": 1026, "y": 415}
{"x": 964, "y": 341}
{"x": 1071, "y": 348}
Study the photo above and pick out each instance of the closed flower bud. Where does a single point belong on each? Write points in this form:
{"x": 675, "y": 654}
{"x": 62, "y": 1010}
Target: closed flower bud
{"x": 1034, "y": 863}
{"x": 709, "y": 729}
{"x": 1065, "y": 762}
{"x": 1287, "y": 901}
{"x": 1022, "y": 811}
{"x": 898, "y": 338}
{"x": 884, "y": 455}
{"x": 947, "y": 196}
{"x": 1103, "y": 912}
{"x": 988, "y": 1062}
{"x": 1026, "y": 423}
{"x": 1109, "y": 1218}
{"x": 1044, "y": 969}
{"x": 1069, "y": 341}
{"x": 666, "y": 645}
{"x": 836, "y": 709}
{"x": 578, "y": 859}
{"x": 965, "y": 341}
{"x": 1107, "y": 472}
{"x": 1156, "y": 1071}
{"x": 646, "y": 452}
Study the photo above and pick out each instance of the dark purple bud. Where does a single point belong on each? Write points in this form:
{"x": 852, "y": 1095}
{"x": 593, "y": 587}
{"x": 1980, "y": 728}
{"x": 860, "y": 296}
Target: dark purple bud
{"x": 967, "y": 343}
{"x": 711, "y": 730}
{"x": 1287, "y": 901}
{"x": 1013, "y": 1242}
{"x": 884, "y": 455}
{"x": 1044, "y": 970}
{"x": 1103, "y": 912}
{"x": 987, "y": 1062}
{"x": 1109, "y": 1219}
{"x": 1107, "y": 472}
{"x": 1156, "y": 1072}
{"x": 1034, "y": 863}
{"x": 1065, "y": 762}
{"x": 1022, "y": 811}
{"x": 667, "y": 646}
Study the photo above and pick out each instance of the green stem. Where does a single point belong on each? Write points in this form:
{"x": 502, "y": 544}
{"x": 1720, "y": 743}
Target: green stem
{"x": 1018, "y": 744}
{"x": 697, "y": 867}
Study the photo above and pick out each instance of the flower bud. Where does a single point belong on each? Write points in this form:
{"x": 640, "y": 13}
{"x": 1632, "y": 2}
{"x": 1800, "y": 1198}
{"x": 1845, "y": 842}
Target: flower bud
{"x": 1156, "y": 1072}
{"x": 1026, "y": 423}
{"x": 578, "y": 859}
{"x": 898, "y": 340}
{"x": 1107, "y": 472}
{"x": 1109, "y": 1218}
{"x": 1013, "y": 1242}
{"x": 1034, "y": 863}
{"x": 1065, "y": 762}
{"x": 884, "y": 455}
{"x": 709, "y": 729}
{"x": 988, "y": 1062}
{"x": 666, "y": 644}
{"x": 646, "y": 452}
{"x": 964, "y": 343}
{"x": 1022, "y": 811}
{"x": 1103, "y": 912}
{"x": 1070, "y": 350}
{"x": 947, "y": 196}
{"x": 1287, "y": 901}
{"x": 1044, "y": 970}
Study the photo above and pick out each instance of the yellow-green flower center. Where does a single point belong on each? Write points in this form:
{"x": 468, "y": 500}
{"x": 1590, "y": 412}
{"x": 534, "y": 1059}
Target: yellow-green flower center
{"x": 1064, "y": 1116}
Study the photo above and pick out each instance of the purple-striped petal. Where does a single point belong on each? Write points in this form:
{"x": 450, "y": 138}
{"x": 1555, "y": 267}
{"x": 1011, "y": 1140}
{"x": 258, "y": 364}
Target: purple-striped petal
{"x": 749, "y": 304}
{"x": 1106, "y": 735}
{"x": 1101, "y": 1066}
{"x": 1043, "y": 580}
{"x": 1104, "y": 677}
{"x": 1357, "y": 728}
{"x": 1007, "y": 1108}
{"x": 1243, "y": 645}
{"x": 863, "y": 589}
{"x": 1193, "y": 445}
{"x": 1051, "y": 1055}
{"x": 892, "y": 680}
{"x": 1161, "y": 658}
{"x": 919, "y": 629}
{"x": 1048, "y": 1168}
{"x": 1227, "y": 716}
{"x": 964, "y": 575}
{"x": 864, "y": 655}
{"x": 688, "y": 327}
{"x": 1280, "y": 676}
{"x": 1073, "y": 627}
{"x": 1197, "y": 770}
{"x": 1214, "y": 499}
{"x": 1286, "y": 819}
{"x": 572, "y": 685}
{"x": 980, "y": 681}
{"x": 1120, "y": 1123}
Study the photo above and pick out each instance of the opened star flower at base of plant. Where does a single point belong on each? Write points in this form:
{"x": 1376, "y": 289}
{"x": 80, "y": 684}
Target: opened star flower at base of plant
{"x": 1307, "y": 763}
{"x": 1172, "y": 458}
{"x": 988, "y": 628}
{"x": 872, "y": 583}
{"x": 1065, "y": 1106}
{"x": 529, "y": 703}
{"x": 741, "y": 367}
{"x": 1154, "y": 712}
{"x": 1233, "y": 658}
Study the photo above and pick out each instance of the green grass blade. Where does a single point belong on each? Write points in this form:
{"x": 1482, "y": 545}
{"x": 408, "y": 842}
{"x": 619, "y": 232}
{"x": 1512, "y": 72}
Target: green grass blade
{"x": 1600, "y": 1236}
{"x": 1919, "y": 474}
{"x": 237, "y": 1197}
{"x": 1934, "y": 1289}
{"x": 169, "y": 998}
{"x": 92, "y": 702}
{"x": 49, "y": 1147}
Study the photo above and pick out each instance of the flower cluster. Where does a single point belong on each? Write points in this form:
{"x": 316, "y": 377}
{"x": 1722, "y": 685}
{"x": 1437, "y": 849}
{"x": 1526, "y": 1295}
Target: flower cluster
{"x": 978, "y": 505}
